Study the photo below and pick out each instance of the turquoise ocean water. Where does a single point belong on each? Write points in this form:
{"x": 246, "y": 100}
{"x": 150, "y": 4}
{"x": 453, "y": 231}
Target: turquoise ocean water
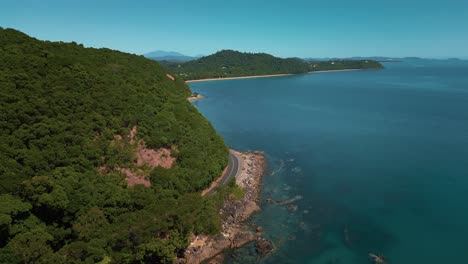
{"x": 377, "y": 159}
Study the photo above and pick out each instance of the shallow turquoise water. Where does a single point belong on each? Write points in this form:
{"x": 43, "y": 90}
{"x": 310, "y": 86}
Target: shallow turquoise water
{"x": 380, "y": 159}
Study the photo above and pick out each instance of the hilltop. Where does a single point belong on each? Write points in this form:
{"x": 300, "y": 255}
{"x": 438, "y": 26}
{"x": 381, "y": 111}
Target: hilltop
{"x": 230, "y": 63}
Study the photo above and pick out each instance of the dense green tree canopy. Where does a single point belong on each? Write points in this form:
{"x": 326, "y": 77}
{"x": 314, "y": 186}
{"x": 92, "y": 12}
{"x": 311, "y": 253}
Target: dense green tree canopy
{"x": 229, "y": 63}
{"x": 61, "y": 106}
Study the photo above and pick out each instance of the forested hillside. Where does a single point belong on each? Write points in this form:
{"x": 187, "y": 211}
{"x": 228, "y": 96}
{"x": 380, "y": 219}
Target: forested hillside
{"x": 344, "y": 64}
{"x": 229, "y": 63}
{"x": 65, "y": 112}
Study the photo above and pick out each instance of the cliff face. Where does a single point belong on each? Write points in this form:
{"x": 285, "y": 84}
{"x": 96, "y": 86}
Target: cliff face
{"x": 62, "y": 106}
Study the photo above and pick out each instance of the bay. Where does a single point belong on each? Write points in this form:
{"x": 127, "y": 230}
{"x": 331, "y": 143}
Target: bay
{"x": 378, "y": 158}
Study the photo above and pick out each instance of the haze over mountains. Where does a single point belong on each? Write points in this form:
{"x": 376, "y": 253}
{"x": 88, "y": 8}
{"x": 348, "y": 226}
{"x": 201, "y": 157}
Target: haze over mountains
{"x": 173, "y": 56}
{"x": 376, "y": 58}
{"x": 161, "y": 55}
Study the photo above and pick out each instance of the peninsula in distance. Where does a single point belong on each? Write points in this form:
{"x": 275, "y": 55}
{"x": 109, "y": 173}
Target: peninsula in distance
{"x": 230, "y": 63}
{"x": 233, "y": 132}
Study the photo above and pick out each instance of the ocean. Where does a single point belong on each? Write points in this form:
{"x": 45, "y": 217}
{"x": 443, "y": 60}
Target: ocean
{"x": 377, "y": 161}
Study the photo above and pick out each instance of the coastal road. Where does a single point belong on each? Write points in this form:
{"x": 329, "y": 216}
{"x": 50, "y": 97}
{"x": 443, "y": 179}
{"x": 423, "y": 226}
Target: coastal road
{"x": 233, "y": 168}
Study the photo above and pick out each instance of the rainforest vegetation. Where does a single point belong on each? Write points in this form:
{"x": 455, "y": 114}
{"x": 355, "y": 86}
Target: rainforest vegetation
{"x": 61, "y": 107}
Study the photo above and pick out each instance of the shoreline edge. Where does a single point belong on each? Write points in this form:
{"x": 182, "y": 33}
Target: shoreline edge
{"x": 268, "y": 75}
{"x": 234, "y": 234}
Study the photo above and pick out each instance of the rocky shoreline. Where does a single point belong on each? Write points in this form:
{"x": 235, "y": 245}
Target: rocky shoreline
{"x": 195, "y": 97}
{"x": 234, "y": 233}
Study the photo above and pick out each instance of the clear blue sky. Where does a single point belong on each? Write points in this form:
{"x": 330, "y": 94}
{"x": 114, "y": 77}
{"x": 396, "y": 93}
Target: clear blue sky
{"x": 303, "y": 28}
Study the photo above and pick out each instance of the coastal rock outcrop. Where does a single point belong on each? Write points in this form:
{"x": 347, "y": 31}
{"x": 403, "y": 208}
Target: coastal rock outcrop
{"x": 234, "y": 212}
{"x": 263, "y": 247}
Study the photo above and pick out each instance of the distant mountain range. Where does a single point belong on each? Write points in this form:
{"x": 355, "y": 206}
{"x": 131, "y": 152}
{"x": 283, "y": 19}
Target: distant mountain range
{"x": 173, "y": 56}
{"x": 377, "y": 58}
{"x": 161, "y": 55}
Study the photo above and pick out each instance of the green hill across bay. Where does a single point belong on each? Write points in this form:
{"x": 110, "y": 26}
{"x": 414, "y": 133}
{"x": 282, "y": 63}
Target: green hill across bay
{"x": 229, "y": 63}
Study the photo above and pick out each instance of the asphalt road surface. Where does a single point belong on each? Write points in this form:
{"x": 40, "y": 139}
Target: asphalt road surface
{"x": 232, "y": 170}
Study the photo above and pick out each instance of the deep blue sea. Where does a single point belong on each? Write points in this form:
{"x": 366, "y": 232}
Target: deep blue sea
{"x": 378, "y": 160}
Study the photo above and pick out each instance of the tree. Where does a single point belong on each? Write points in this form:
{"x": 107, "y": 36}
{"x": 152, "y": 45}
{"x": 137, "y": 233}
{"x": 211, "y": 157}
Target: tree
{"x": 49, "y": 199}
{"x": 156, "y": 251}
{"x": 89, "y": 223}
{"x": 11, "y": 210}
{"x": 31, "y": 246}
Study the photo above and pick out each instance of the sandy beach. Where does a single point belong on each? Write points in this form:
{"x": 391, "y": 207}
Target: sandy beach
{"x": 266, "y": 76}
{"x": 344, "y": 70}
{"x": 241, "y": 77}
